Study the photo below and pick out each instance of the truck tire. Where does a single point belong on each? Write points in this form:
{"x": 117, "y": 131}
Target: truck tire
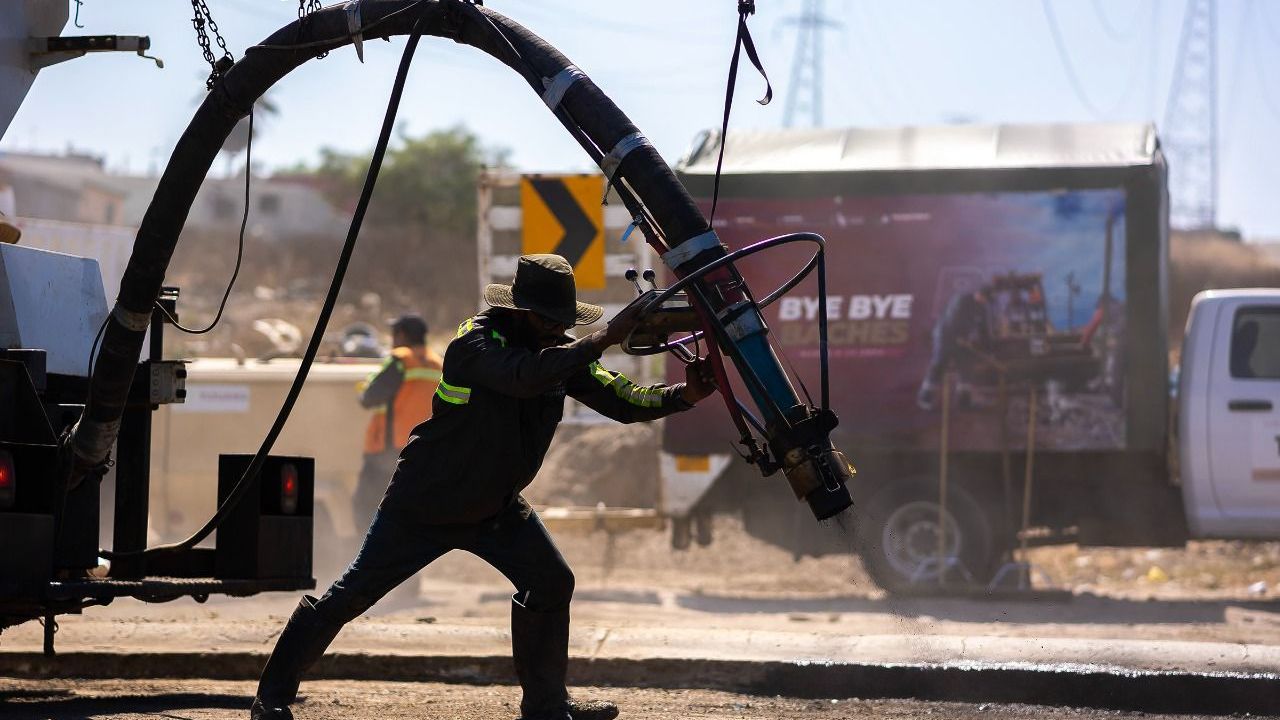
{"x": 681, "y": 533}
{"x": 897, "y": 537}
{"x": 702, "y": 528}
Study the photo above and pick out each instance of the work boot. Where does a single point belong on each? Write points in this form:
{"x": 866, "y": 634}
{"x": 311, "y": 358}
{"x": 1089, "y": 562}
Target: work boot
{"x": 259, "y": 711}
{"x": 592, "y": 709}
{"x": 540, "y": 648}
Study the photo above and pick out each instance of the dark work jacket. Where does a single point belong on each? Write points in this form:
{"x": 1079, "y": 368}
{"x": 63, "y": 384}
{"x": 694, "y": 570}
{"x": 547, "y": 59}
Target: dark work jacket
{"x": 494, "y": 415}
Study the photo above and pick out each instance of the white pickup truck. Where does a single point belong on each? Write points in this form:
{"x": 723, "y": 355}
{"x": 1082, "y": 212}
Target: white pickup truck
{"x": 1228, "y": 392}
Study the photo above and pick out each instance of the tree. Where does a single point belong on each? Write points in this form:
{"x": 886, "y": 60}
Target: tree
{"x": 428, "y": 181}
{"x": 417, "y": 246}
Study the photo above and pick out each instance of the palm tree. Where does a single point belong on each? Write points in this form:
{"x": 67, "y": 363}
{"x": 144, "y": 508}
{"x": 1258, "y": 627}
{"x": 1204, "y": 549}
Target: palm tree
{"x": 238, "y": 140}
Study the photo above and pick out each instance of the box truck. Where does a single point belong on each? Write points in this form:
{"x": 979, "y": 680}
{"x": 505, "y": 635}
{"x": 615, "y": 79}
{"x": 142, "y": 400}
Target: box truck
{"x": 997, "y": 302}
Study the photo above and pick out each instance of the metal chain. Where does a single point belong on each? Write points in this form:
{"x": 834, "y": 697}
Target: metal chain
{"x": 204, "y": 24}
{"x": 306, "y": 7}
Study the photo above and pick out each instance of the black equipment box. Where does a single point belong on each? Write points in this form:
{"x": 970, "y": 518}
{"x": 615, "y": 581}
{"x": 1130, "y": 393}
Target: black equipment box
{"x": 268, "y": 534}
{"x": 26, "y": 547}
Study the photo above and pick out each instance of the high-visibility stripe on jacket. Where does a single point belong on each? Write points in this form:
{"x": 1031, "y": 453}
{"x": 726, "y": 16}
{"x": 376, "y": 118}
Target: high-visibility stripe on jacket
{"x": 495, "y": 412}
{"x": 389, "y": 428}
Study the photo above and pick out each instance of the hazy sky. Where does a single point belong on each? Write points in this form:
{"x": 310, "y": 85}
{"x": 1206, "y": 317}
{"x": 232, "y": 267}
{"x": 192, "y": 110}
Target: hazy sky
{"x": 664, "y": 62}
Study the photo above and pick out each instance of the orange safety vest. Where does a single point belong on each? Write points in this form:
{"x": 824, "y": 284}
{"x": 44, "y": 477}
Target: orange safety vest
{"x": 412, "y": 403}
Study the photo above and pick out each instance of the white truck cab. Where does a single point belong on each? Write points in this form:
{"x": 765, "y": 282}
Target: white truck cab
{"x": 1229, "y": 414}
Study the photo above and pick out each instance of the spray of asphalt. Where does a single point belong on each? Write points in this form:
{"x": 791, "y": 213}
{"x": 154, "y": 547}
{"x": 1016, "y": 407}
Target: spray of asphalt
{"x": 843, "y": 527}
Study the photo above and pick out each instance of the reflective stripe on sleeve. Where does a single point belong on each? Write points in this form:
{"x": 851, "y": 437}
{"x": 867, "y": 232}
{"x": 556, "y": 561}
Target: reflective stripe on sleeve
{"x": 453, "y": 394}
{"x": 625, "y": 389}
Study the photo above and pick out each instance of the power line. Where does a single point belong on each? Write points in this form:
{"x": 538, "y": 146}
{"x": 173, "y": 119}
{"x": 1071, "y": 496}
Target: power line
{"x": 1077, "y": 86}
{"x": 1111, "y": 30}
{"x": 1231, "y": 107}
{"x": 1271, "y": 29}
{"x": 887, "y": 78}
{"x": 847, "y": 59}
{"x": 1268, "y": 100}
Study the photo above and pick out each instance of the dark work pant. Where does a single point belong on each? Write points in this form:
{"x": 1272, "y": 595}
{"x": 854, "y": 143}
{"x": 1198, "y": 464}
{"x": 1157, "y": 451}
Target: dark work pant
{"x": 515, "y": 543}
{"x": 371, "y": 485}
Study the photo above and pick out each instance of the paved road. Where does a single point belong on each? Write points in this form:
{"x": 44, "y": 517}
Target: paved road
{"x": 348, "y": 700}
{"x": 468, "y": 619}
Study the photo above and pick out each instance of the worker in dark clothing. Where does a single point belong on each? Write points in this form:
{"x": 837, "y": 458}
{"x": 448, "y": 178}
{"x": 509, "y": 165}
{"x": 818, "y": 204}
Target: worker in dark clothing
{"x": 458, "y": 482}
{"x": 400, "y": 395}
{"x": 965, "y": 321}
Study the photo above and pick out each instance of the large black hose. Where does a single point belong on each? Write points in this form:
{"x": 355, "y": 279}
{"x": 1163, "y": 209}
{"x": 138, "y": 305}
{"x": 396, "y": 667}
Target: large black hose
{"x": 326, "y": 311}
{"x": 585, "y": 110}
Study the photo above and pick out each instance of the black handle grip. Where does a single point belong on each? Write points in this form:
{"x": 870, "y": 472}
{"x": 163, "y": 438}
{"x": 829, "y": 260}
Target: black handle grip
{"x": 1249, "y": 406}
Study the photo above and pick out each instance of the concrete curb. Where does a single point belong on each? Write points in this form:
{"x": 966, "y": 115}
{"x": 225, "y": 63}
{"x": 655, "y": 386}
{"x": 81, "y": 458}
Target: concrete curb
{"x": 1064, "y": 685}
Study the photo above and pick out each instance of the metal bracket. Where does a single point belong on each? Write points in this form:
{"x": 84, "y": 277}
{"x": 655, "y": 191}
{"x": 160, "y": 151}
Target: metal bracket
{"x": 354, "y": 27}
{"x": 746, "y": 323}
{"x": 168, "y": 382}
{"x": 45, "y": 51}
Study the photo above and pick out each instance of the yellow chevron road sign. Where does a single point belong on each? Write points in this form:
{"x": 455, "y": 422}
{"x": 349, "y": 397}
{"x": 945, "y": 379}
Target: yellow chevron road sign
{"x": 562, "y": 214}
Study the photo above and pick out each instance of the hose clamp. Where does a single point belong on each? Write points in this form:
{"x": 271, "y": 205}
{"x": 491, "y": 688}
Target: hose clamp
{"x": 687, "y": 250}
{"x": 94, "y": 439}
{"x": 609, "y": 163}
{"x": 130, "y": 320}
{"x": 556, "y": 87}
{"x": 745, "y": 325}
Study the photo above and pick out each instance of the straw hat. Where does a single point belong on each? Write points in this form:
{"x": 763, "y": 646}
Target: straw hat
{"x": 544, "y": 284}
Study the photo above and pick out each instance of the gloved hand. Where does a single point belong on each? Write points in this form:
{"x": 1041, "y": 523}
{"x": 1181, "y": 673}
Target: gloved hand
{"x": 621, "y": 325}
{"x": 700, "y": 381}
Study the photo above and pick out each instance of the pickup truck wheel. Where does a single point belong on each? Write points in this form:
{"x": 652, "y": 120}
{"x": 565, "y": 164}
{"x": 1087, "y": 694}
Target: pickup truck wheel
{"x": 898, "y": 538}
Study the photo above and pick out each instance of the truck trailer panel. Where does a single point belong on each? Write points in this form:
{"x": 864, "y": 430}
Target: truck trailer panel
{"x": 991, "y": 260}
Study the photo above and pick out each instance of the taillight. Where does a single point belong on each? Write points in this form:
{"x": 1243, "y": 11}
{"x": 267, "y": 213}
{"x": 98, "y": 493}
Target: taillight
{"x": 288, "y": 488}
{"x": 8, "y": 481}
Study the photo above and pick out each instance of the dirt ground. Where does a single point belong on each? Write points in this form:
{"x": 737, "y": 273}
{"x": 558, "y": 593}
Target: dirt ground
{"x": 624, "y": 471}
{"x": 349, "y": 700}
{"x": 635, "y": 580}
{"x": 739, "y": 564}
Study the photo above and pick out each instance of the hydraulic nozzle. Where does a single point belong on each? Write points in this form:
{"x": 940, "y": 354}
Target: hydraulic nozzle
{"x": 818, "y": 473}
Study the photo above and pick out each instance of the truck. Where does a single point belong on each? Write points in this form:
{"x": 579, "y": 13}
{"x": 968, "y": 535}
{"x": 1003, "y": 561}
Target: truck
{"x": 53, "y": 313}
{"x": 996, "y": 301}
{"x": 229, "y": 405}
